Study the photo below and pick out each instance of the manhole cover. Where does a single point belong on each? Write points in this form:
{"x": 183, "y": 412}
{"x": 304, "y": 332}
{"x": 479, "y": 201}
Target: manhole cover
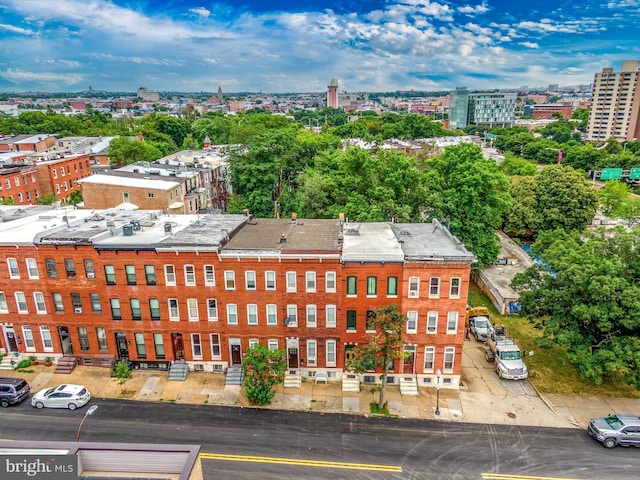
{"x": 511, "y": 415}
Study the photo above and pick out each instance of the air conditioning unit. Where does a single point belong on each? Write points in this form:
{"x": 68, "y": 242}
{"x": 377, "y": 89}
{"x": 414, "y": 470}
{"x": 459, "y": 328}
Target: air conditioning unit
{"x": 77, "y": 310}
{"x": 91, "y": 274}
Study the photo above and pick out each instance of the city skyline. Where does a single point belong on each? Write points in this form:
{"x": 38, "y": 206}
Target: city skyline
{"x": 284, "y": 46}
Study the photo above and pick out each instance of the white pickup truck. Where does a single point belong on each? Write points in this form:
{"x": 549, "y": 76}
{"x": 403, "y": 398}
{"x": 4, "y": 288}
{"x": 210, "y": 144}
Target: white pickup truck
{"x": 506, "y": 355}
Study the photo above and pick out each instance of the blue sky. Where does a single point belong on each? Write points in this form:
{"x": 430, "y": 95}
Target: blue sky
{"x": 298, "y": 46}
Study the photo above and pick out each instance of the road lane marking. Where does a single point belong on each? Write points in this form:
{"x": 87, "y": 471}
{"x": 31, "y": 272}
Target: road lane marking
{"x": 301, "y": 463}
{"x": 507, "y": 476}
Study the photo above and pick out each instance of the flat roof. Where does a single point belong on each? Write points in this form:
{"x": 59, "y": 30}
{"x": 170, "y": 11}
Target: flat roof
{"x": 129, "y": 179}
{"x": 430, "y": 241}
{"x": 367, "y": 242}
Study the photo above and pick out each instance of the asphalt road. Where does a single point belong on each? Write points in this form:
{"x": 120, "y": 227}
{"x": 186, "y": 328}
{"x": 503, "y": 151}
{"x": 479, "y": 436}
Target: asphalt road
{"x": 310, "y": 445}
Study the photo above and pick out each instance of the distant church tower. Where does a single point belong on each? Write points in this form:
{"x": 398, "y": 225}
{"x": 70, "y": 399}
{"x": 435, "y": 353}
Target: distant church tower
{"x": 220, "y": 98}
{"x": 332, "y": 93}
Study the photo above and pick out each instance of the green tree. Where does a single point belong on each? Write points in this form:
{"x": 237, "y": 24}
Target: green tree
{"x": 384, "y": 346}
{"x": 123, "y": 374}
{"x": 76, "y": 197}
{"x": 470, "y": 195}
{"x": 565, "y": 199}
{"x": 47, "y": 199}
{"x": 524, "y": 216}
{"x": 512, "y": 165}
{"x": 263, "y": 369}
{"x": 124, "y": 151}
{"x": 590, "y": 304}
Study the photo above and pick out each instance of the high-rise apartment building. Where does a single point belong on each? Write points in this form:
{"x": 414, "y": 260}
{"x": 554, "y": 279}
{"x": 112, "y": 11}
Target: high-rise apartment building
{"x": 486, "y": 109}
{"x": 332, "y": 93}
{"x": 615, "y": 104}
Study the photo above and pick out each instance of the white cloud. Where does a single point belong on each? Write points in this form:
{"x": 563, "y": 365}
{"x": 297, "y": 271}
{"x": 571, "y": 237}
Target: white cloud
{"x": 15, "y": 29}
{"x": 474, "y": 10}
{"x": 20, "y": 76}
{"x": 529, "y": 44}
{"x": 200, "y": 11}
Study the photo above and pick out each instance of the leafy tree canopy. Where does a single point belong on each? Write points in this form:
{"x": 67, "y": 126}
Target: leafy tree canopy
{"x": 264, "y": 369}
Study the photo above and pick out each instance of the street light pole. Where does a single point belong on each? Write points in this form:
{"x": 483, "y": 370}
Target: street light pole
{"x": 90, "y": 411}
{"x": 438, "y": 373}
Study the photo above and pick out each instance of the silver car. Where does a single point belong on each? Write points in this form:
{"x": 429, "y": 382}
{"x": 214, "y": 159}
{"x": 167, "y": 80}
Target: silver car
{"x": 63, "y": 396}
{"x": 618, "y": 429}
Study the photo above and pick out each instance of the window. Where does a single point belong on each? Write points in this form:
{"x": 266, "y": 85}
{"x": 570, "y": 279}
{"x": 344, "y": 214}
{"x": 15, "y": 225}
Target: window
{"x": 432, "y": 322}
{"x": 311, "y": 316}
{"x": 116, "y": 313}
{"x": 209, "y": 276}
{"x": 4, "y": 308}
{"x": 58, "y": 305}
{"x": 412, "y": 322}
{"x": 158, "y": 345}
{"x": 429, "y": 357}
{"x": 272, "y": 317}
{"x": 270, "y": 281}
{"x": 14, "y": 272}
{"x": 212, "y": 310}
{"x": 229, "y": 280}
{"x": 55, "y": 173}
{"x": 452, "y": 322}
{"x": 292, "y": 316}
{"x": 352, "y": 285}
{"x": 21, "y": 302}
{"x": 414, "y": 287}
{"x": 50, "y": 265}
{"x": 252, "y": 314}
{"x": 196, "y": 346}
{"x": 38, "y": 299}
{"x": 32, "y": 268}
{"x": 331, "y": 353}
{"x": 372, "y": 286}
{"x": 232, "y": 314}
{"x": 371, "y": 321}
{"x": 215, "y": 346}
{"x": 110, "y": 274}
{"x": 76, "y": 303}
{"x": 130, "y": 271}
{"x": 392, "y": 286}
{"x": 434, "y": 287}
{"x": 454, "y": 291}
{"x": 150, "y": 274}
{"x": 250, "y": 280}
{"x": 169, "y": 275}
{"x": 174, "y": 312}
{"x": 351, "y": 320}
{"x": 141, "y": 351}
{"x": 311, "y": 281}
{"x": 189, "y": 275}
{"x": 330, "y": 316}
{"x": 449, "y": 354}
{"x": 154, "y": 308}
{"x": 253, "y": 342}
{"x": 330, "y": 282}
{"x": 47, "y": 344}
{"x": 273, "y": 344}
{"x": 70, "y": 267}
{"x": 136, "y": 311}
{"x": 192, "y": 307}
{"x": 311, "y": 352}
{"x": 291, "y": 281}
{"x": 89, "y": 268}
{"x": 84, "y": 339}
{"x": 102, "y": 338}
{"x": 96, "y": 306}
{"x": 28, "y": 338}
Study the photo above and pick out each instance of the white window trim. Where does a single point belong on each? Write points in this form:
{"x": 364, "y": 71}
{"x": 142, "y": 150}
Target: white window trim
{"x": 34, "y": 266}
{"x": 413, "y": 314}
{"x": 28, "y": 336}
{"x": 190, "y": 279}
{"x": 253, "y": 342}
{"x": 174, "y": 318}
{"x": 291, "y": 286}
{"x": 209, "y": 282}
{"x": 292, "y": 324}
{"x": 193, "y": 345}
{"x": 326, "y": 280}
{"x": 273, "y": 342}
{"x": 247, "y": 274}
{"x": 170, "y": 283}
{"x": 44, "y": 329}
{"x": 437, "y": 294}
{"x": 266, "y": 282}
{"x": 232, "y": 277}
{"x": 232, "y": 306}
{"x": 252, "y": 307}
{"x": 331, "y": 362}
{"x": 452, "y": 331}
{"x": 435, "y": 330}
{"x": 192, "y": 318}
{"x": 452, "y": 351}
{"x": 310, "y": 277}
{"x": 209, "y": 317}
{"x": 35, "y": 301}
{"x": 314, "y": 310}
{"x": 24, "y": 297}
{"x": 413, "y": 293}
{"x": 11, "y": 275}
{"x": 219, "y": 343}
{"x": 330, "y": 323}
{"x": 451, "y": 294}
{"x": 275, "y": 313}
{"x": 433, "y": 363}
{"x": 4, "y": 306}
{"x": 312, "y": 353}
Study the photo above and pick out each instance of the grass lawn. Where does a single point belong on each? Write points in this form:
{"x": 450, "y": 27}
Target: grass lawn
{"x": 549, "y": 370}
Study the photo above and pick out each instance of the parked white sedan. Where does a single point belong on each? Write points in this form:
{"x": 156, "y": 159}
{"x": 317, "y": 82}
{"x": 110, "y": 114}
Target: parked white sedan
{"x": 63, "y": 396}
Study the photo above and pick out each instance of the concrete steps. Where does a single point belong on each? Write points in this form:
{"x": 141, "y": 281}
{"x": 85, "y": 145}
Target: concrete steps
{"x": 178, "y": 371}
{"x": 409, "y": 385}
{"x": 66, "y": 364}
{"x": 350, "y": 383}
{"x": 8, "y": 362}
{"x": 292, "y": 380}
{"x": 235, "y": 376}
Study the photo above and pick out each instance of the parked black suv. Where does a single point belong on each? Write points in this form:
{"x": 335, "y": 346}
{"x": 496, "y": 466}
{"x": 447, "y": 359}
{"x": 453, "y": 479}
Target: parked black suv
{"x": 13, "y": 391}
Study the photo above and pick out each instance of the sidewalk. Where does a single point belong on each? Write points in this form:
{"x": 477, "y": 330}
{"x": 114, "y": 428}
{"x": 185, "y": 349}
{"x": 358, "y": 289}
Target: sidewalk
{"x": 483, "y": 397}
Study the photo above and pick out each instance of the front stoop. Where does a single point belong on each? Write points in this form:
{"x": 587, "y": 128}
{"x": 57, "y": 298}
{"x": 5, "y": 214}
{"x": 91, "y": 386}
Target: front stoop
{"x": 292, "y": 380}
{"x": 178, "y": 371}
{"x": 409, "y": 386}
{"x": 350, "y": 383}
{"x": 66, "y": 364}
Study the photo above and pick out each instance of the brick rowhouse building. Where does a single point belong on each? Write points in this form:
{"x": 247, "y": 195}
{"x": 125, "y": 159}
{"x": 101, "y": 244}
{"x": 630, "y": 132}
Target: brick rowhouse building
{"x": 100, "y": 286}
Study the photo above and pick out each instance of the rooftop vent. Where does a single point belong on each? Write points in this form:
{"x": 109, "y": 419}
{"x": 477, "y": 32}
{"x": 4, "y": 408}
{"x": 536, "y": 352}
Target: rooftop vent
{"x": 352, "y": 231}
{"x": 127, "y": 230}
